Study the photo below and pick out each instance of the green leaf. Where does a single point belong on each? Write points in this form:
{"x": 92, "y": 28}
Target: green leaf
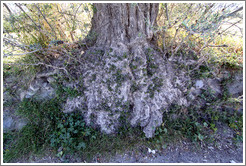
{"x": 59, "y": 154}
{"x": 81, "y": 145}
{"x": 165, "y": 130}
{"x": 200, "y": 137}
{"x": 87, "y": 132}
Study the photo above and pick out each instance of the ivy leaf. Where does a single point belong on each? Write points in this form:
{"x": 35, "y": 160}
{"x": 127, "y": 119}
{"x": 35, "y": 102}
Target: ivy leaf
{"x": 81, "y": 145}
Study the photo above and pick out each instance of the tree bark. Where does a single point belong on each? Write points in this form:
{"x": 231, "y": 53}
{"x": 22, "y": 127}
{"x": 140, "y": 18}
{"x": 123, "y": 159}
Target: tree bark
{"x": 122, "y": 26}
{"x": 125, "y": 77}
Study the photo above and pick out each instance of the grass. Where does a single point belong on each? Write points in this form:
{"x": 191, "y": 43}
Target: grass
{"x": 200, "y": 124}
{"x": 17, "y": 77}
{"x": 50, "y": 128}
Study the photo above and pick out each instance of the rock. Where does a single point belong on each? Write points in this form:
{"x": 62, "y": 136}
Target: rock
{"x": 46, "y": 92}
{"x": 235, "y": 88}
{"x": 214, "y": 85}
{"x": 20, "y": 123}
{"x": 7, "y": 97}
{"x": 22, "y": 95}
{"x": 151, "y": 151}
{"x": 8, "y": 123}
{"x": 193, "y": 93}
{"x": 199, "y": 84}
{"x": 51, "y": 79}
{"x": 12, "y": 122}
{"x": 41, "y": 88}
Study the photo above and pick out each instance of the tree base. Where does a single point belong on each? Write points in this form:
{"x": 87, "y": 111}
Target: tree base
{"x": 138, "y": 85}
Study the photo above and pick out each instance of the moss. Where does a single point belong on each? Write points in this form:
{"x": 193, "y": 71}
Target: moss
{"x": 151, "y": 66}
{"x": 104, "y": 106}
{"x": 118, "y": 77}
{"x": 94, "y": 76}
{"x": 134, "y": 87}
{"x": 112, "y": 67}
{"x": 125, "y": 55}
{"x": 157, "y": 83}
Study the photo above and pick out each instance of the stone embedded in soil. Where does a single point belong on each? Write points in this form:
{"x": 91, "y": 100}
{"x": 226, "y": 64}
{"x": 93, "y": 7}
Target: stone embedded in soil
{"x": 12, "y": 122}
{"x": 40, "y": 88}
{"x": 235, "y": 88}
{"x": 8, "y": 122}
{"x": 199, "y": 84}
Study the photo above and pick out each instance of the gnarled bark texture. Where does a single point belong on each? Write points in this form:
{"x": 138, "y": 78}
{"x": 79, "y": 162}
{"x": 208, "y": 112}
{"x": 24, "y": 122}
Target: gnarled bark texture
{"x": 126, "y": 79}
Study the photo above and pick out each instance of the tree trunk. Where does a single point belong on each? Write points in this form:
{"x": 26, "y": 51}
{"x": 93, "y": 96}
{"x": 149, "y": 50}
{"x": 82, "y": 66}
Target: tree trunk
{"x": 122, "y": 26}
{"x": 123, "y": 77}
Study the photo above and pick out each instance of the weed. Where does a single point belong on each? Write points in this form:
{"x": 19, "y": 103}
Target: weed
{"x": 195, "y": 124}
{"x": 71, "y": 133}
{"x": 63, "y": 92}
{"x": 33, "y": 137}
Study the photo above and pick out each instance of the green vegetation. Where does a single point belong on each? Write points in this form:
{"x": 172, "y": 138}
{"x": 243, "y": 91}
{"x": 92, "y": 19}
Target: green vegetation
{"x": 157, "y": 83}
{"x": 34, "y": 136}
{"x": 200, "y": 124}
{"x": 49, "y": 127}
{"x": 72, "y": 133}
{"x": 196, "y": 126}
{"x": 151, "y": 67}
{"x": 66, "y": 133}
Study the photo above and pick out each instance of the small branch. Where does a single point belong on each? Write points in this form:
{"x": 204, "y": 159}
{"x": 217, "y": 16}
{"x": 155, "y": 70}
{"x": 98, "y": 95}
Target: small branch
{"x": 5, "y": 55}
{"x": 174, "y": 39}
{"x": 14, "y": 43}
{"x": 39, "y": 27}
{"x": 176, "y": 50}
{"x": 37, "y": 64}
{"x": 77, "y": 11}
{"x": 229, "y": 27}
{"x": 164, "y": 42}
{"x": 46, "y": 21}
{"x": 8, "y": 9}
{"x": 199, "y": 62}
{"x": 207, "y": 43}
{"x": 224, "y": 45}
{"x": 230, "y": 14}
{"x": 67, "y": 22}
{"x": 167, "y": 15}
